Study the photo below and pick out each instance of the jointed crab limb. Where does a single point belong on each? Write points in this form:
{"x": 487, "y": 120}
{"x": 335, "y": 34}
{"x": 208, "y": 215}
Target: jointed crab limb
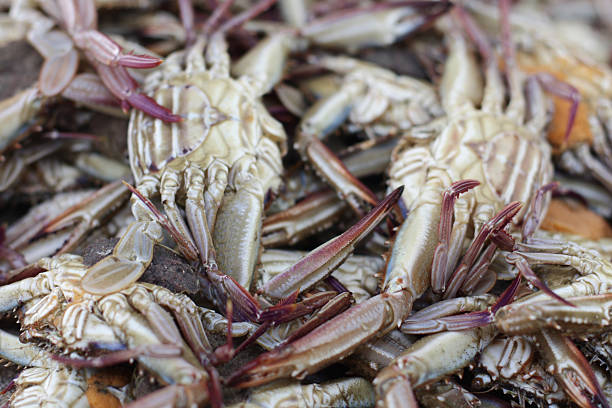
{"x": 357, "y": 274}
{"x": 80, "y": 19}
{"x": 123, "y": 87}
{"x": 571, "y": 369}
{"x": 429, "y": 320}
{"x": 596, "y": 271}
{"x": 334, "y": 307}
{"x": 536, "y": 212}
{"x": 14, "y": 258}
{"x": 177, "y": 395}
{"x": 464, "y": 270}
{"x": 327, "y": 257}
{"x": 464, "y": 321}
{"x": 521, "y": 263}
{"x": 122, "y": 356}
{"x": 313, "y": 213}
{"x": 591, "y": 314}
{"x": 329, "y": 166}
{"x": 134, "y": 251}
{"x": 60, "y": 225}
{"x": 423, "y": 362}
{"x": 326, "y": 344}
{"x": 15, "y": 113}
{"x": 563, "y": 89}
{"x": 376, "y": 25}
{"x": 441, "y": 267}
{"x": 61, "y": 59}
{"x": 87, "y": 214}
{"x": 286, "y": 312}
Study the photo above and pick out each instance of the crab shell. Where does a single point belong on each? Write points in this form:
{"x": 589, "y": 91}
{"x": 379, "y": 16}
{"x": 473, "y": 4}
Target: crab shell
{"x": 222, "y": 120}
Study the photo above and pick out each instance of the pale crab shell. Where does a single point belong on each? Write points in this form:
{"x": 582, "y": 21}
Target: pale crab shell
{"x": 224, "y": 123}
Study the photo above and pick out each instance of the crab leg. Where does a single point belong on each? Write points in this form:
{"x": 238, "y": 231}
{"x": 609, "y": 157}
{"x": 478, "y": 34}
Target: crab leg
{"x": 590, "y": 314}
{"x": 570, "y": 368}
{"x": 309, "y": 270}
{"x": 497, "y": 223}
{"x": 123, "y": 87}
{"x": 314, "y": 213}
{"x": 134, "y": 251}
{"x": 596, "y": 271}
{"x": 423, "y": 362}
{"x": 13, "y": 166}
{"x": 80, "y": 19}
{"x": 88, "y": 89}
{"x": 325, "y": 259}
{"x": 59, "y": 229}
{"x": 440, "y": 266}
{"x": 357, "y": 273}
{"x": 178, "y": 395}
{"x": 376, "y": 25}
{"x": 88, "y": 213}
{"x": 329, "y": 342}
{"x": 344, "y": 392}
{"x": 425, "y": 321}
{"x": 236, "y": 244}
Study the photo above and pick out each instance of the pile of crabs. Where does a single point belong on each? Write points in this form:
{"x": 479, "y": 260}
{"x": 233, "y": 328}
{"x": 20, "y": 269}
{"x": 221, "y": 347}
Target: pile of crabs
{"x": 437, "y": 175}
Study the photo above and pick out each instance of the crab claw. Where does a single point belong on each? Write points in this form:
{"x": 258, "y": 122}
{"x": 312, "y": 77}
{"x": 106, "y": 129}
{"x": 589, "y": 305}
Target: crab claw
{"x": 108, "y": 52}
{"x": 122, "y": 86}
{"x": 571, "y": 369}
{"x": 421, "y": 323}
{"x": 376, "y": 25}
{"x": 321, "y": 262}
{"x": 80, "y": 19}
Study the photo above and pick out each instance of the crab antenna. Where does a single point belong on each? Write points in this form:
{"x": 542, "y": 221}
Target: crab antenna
{"x": 247, "y": 15}
{"x": 219, "y": 12}
{"x": 475, "y": 34}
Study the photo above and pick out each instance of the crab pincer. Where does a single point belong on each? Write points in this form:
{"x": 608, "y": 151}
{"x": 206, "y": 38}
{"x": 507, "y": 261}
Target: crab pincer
{"x": 119, "y": 82}
{"x": 81, "y": 19}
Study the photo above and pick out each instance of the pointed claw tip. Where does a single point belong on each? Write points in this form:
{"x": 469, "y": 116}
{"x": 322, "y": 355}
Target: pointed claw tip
{"x": 139, "y": 61}
{"x": 463, "y": 186}
{"x": 149, "y": 106}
